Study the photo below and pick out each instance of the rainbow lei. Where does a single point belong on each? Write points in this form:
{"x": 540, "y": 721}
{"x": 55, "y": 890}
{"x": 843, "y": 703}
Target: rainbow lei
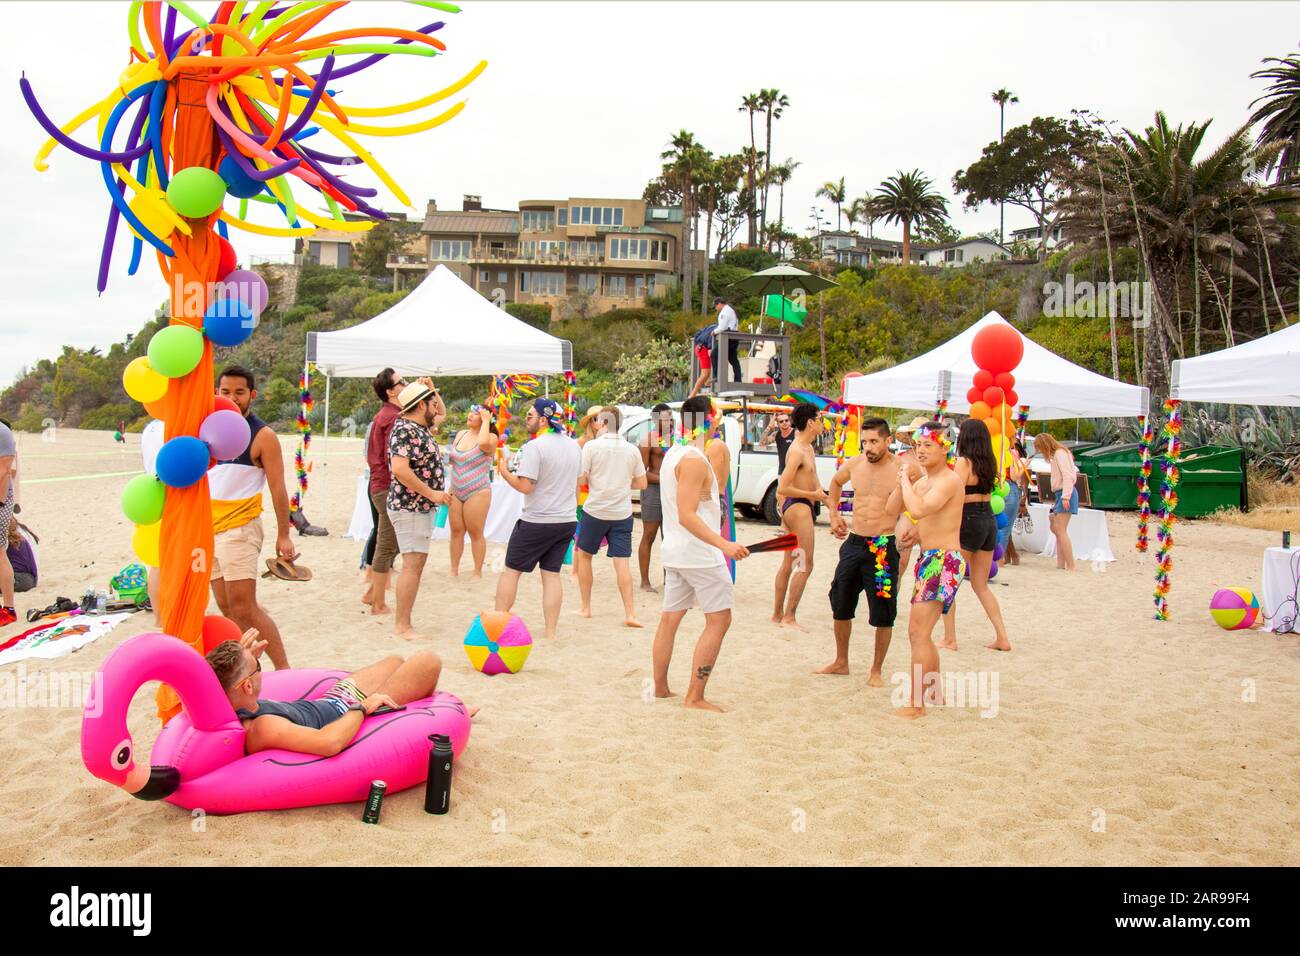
{"x": 570, "y": 411}
{"x": 1022, "y": 423}
{"x": 1168, "y": 502}
{"x": 879, "y": 548}
{"x": 940, "y": 409}
{"x": 841, "y": 429}
{"x": 685, "y": 439}
{"x": 939, "y": 437}
{"x": 305, "y": 404}
{"x": 1144, "y": 484}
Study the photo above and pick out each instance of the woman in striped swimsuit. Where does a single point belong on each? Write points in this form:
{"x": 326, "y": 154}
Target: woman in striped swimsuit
{"x": 469, "y": 471}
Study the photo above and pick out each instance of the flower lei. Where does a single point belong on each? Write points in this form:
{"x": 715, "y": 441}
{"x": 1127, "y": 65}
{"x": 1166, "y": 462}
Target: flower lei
{"x": 1144, "y": 483}
{"x": 940, "y": 409}
{"x": 305, "y": 405}
{"x": 1168, "y": 502}
{"x": 570, "y": 422}
{"x": 939, "y": 437}
{"x": 879, "y": 548}
{"x": 1022, "y": 423}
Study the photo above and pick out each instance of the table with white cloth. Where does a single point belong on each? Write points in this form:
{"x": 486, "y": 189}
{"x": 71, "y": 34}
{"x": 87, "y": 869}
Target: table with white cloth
{"x": 1088, "y": 531}
{"x": 1281, "y": 579}
{"x": 506, "y": 507}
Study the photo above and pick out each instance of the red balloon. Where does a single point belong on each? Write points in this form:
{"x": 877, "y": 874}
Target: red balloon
{"x": 218, "y": 630}
{"x": 993, "y": 396}
{"x": 997, "y": 348}
{"x": 974, "y": 395}
{"x": 228, "y": 261}
{"x": 221, "y": 403}
{"x": 982, "y": 379}
{"x": 1005, "y": 381}
{"x": 1012, "y": 398}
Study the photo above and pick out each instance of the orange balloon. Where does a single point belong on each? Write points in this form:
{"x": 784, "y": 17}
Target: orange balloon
{"x": 993, "y": 426}
{"x": 1001, "y": 414}
{"x": 979, "y": 410}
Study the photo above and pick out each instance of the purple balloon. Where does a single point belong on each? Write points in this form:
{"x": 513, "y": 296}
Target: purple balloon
{"x": 993, "y": 568}
{"x": 246, "y": 286}
{"x": 997, "y": 551}
{"x": 226, "y": 433}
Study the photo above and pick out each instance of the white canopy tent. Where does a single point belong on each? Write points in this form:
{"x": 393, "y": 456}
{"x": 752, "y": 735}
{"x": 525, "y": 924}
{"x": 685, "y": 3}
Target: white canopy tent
{"x": 1263, "y": 372}
{"x": 442, "y": 328}
{"x": 1051, "y": 386}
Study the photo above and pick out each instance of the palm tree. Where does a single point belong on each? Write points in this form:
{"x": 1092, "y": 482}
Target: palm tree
{"x": 1280, "y": 114}
{"x": 773, "y": 102}
{"x": 836, "y": 193}
{"x": 907, "y": 198}
{"x": 1190, "y": 219}
{"x": 782, "y": 175}
{"x": 1002, "y": 97}
{"x": 751, "y": 103}
{"x": 718, "y": 179}
{"x": 859, "y": 211}
{"x": 683, "y": 160}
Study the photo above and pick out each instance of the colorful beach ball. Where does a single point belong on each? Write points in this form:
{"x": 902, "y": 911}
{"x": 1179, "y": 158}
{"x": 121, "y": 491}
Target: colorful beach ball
{"x": 1234, "y": 609}
{"x": 498, "y": 643}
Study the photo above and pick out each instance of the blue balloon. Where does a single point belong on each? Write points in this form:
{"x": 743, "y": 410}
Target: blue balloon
{"x": 228, "y": 321}
{"x": 238, "y": 182}
{"x": 993, "y": 570}
{"x": 182, "y": 461}
{"x": 997, "y": 551}
{"x": 1003, "y": 520}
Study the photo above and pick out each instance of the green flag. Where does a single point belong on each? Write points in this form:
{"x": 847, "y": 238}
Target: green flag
{"x": 779, "y": 307}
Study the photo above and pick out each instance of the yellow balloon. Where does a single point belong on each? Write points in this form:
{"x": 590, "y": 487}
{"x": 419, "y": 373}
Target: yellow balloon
{"x": 151, "y": 215}
{"x": 142, "y": 383}
{"x": 146, "y": 544}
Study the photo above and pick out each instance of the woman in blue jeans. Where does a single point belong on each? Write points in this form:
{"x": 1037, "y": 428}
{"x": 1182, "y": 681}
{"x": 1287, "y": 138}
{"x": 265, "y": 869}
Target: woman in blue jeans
{"x": 1064, "y": 478}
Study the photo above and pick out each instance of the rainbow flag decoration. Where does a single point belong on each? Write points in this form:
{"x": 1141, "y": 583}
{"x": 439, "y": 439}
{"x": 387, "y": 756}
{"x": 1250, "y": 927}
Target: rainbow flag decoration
{"x": 728, "y": 529}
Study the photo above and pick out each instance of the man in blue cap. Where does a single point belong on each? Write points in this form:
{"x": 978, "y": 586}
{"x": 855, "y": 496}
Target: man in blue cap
{"x": 547, "y": 475}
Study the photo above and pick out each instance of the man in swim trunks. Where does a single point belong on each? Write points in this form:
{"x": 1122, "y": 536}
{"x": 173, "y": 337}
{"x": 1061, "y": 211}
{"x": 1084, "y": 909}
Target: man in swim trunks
{"x": 869, "y": 556}
{"x": 801, "y": 488}
{"x": 940, "y": 566}
{"x": 657, "y": 441}
{"x": 326, "y": 725}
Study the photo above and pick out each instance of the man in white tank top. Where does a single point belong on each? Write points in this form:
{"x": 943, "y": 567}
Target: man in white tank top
{"x": 694, "y": 554}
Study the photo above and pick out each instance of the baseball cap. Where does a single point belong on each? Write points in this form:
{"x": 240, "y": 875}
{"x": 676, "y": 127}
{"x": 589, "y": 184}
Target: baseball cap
{"x": 546, "y": 407}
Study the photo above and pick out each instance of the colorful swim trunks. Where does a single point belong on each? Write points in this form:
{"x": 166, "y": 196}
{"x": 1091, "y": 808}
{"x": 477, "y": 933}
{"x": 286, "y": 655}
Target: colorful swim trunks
{"x": 939, "y": 574}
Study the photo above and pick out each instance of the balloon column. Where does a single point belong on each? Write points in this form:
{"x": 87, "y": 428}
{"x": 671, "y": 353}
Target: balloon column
{"x": 997, "y": 350}
{"x": 206, "y": 111}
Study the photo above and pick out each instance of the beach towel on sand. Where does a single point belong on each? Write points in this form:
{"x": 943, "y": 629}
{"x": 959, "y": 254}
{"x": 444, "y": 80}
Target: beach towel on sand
{"x": 62, "y": 637}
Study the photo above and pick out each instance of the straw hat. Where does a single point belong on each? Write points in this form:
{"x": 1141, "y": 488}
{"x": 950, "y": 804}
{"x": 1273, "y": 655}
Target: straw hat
{"x": 911, "y": 426}
{"x": 412, "y": 395}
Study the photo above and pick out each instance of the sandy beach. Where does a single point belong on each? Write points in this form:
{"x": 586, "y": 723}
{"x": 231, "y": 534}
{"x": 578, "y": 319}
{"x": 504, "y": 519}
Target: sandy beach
{"x": 1116, "y": 740}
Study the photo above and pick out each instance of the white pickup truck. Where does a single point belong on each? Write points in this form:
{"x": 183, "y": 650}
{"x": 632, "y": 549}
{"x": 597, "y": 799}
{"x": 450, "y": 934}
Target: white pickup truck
{"x": 753, "y": 470}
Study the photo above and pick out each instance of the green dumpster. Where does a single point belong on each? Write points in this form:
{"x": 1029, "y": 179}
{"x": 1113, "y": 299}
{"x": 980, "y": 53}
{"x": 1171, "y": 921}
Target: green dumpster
{"x": 1210, "y": 477}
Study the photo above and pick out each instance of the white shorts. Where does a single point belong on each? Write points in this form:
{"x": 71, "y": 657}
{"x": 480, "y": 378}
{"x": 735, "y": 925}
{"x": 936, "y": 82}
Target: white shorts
{"x": 711, "y": 588}
{"x": 414, "y": 530}
{"x": 237, "y": 552}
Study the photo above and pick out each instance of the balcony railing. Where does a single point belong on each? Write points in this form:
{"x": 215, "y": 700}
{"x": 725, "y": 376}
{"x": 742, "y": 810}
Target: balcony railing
{"x": 403, "y": 260}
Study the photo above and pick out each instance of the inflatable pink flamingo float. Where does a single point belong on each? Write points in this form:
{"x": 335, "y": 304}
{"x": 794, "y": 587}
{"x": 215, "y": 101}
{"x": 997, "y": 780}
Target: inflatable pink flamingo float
{"x": 198, "y": 760}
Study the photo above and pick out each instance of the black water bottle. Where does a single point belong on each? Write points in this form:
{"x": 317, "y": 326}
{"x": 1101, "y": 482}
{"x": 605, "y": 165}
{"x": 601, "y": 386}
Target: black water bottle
{"x": 437, "y": 788}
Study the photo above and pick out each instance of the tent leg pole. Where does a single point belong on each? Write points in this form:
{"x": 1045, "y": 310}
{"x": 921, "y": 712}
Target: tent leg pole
{"x": 546, "y": 386}
{"x": 326, "y": 440}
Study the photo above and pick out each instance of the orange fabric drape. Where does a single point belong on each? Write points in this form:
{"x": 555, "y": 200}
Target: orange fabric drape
{"x": 186, "y": 548}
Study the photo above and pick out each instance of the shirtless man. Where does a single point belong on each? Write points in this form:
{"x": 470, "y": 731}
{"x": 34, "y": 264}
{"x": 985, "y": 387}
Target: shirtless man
{"x": 800, "y": 487}
{"x": 940, "y": 566}
{"x": 869, "y": 556}
{"x": 659, "y": 439}
{"x": 905, "y": 530}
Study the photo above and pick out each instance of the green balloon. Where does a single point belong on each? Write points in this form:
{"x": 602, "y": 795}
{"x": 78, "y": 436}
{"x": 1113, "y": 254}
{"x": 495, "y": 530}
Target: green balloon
{"x": 143, "y": 499}
{"x": 997, "y": 503}
{"x": 176, "y": 350}
{"x": 1004, "y": 487}
{"x": 196, "y": 192}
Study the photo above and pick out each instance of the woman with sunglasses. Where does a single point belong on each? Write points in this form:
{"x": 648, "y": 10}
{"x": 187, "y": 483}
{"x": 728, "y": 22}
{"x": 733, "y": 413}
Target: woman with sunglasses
{"x": 469, "y": 460}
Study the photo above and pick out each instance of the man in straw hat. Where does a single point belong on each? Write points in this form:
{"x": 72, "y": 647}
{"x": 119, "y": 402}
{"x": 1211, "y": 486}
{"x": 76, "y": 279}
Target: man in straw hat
{"x": 547, "y": 476}
{"x": 418, "y": 485}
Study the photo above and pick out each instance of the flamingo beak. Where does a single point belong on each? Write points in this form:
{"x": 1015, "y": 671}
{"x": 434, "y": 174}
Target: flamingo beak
{"x": 152, "y": 783}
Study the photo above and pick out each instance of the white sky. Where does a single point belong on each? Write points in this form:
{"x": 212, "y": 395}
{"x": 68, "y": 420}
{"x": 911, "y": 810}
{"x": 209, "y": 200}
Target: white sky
{"x": 581, "y": 98}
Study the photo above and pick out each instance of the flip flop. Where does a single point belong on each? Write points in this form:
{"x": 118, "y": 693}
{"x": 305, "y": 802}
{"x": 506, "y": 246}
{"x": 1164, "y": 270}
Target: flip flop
{"x": 286, "y": 570}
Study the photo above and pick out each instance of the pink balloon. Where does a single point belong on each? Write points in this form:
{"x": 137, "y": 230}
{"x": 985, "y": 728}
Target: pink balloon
{"x": 246, "y": 286}
{"x": 226, "y": 434}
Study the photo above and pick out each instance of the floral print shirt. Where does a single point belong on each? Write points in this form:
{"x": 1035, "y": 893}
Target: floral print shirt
{"x": 416, "y": 444}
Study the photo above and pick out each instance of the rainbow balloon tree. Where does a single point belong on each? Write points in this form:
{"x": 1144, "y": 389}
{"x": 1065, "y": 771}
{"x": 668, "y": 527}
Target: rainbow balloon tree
{"x": 208, "y": 114}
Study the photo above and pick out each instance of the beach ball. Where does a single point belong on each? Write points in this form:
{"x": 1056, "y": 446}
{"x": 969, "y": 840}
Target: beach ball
{"x": 498, "y": 643}
{"x": 1234, "y": 609}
